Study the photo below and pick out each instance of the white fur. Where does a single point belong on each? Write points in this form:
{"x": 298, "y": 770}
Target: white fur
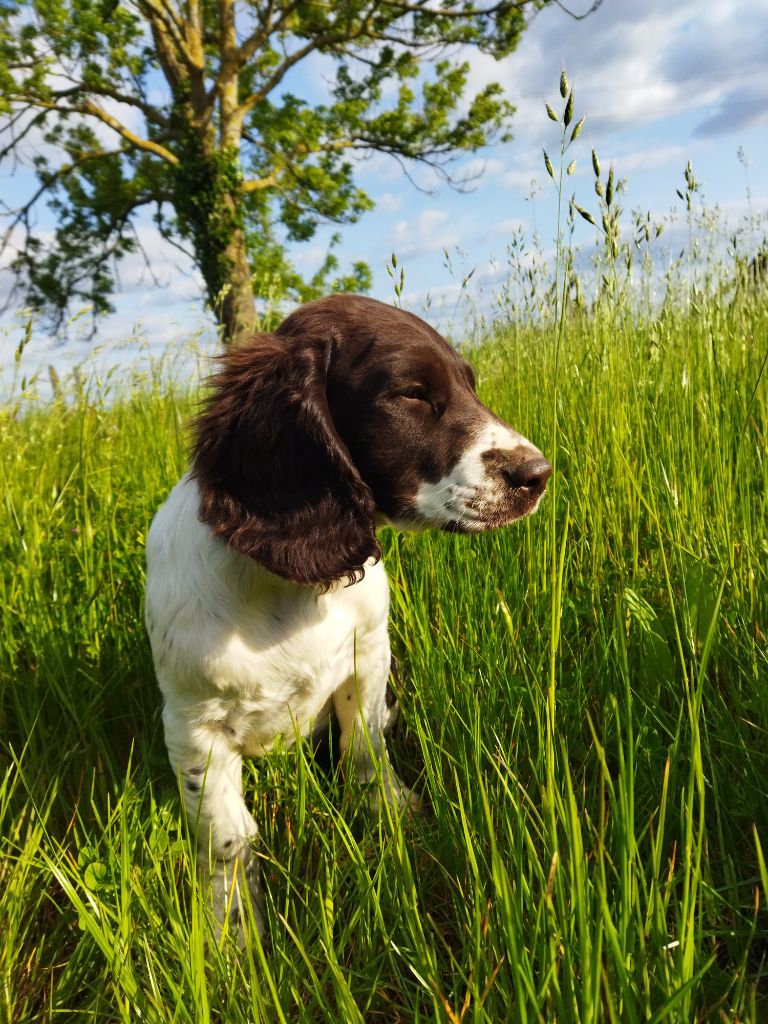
{"x": 468, "y": 494}
{"x": 243, "y": 658}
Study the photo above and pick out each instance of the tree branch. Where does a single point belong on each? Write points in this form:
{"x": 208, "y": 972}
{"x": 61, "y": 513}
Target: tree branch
{"x": 10, "y": 125}
{"x": 194, "y": 23}
{"x": 579, "y": 17}
{"x": 250, "y": 45}
{"x": 257, "y": 184}
{"x": 149, "y": 111}
{"x": 461, "y": 12}
{"x": 78, "y": 89}
{"x": 163, "y": 17}
{"x": 90, "y": 109}
{"x": 429, "y": 158}
{"x": 316, "y": 43}
{"x": 166, "y": 40}
{"x": 279, "y": 75}
{"x": 89, "y": 266}
{"x": 21, "y": 213}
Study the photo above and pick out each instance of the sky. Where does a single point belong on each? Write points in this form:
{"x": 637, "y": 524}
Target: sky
{"x": 661, "y": 82}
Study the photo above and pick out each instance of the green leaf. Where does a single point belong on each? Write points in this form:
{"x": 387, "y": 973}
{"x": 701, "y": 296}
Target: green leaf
{"x": 235, "y": 194}
{"x": 97, "y": 876}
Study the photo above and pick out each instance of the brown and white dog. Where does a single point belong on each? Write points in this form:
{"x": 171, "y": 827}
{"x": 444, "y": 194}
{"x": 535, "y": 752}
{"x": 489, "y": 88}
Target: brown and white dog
{"x": 266, "y": 602}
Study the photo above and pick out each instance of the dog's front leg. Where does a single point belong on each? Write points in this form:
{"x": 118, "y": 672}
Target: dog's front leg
{"x": 364, "y": 718}
{"x": 209, "y": 767}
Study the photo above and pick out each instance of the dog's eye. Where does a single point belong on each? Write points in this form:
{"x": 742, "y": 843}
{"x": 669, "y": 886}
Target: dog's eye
{"x": 416, "y": 392}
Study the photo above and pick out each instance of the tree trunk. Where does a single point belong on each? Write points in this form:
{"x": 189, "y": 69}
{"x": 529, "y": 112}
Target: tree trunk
{"x": 210, "y": 215}
{"x": 235, "y": 307}
{"x": 208, "y": 197}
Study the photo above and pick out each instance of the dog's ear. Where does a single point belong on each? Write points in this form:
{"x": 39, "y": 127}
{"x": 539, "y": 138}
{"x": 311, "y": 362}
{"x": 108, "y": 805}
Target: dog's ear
{"x": 275, "y": 478}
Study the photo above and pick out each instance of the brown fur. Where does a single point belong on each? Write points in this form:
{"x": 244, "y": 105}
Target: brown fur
{"x": 308, "y": 432}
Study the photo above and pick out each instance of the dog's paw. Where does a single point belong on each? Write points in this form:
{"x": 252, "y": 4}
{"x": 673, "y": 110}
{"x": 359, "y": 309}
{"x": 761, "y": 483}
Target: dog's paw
{"x": 389, "y": 791}
{"x": 408, "y": 800}
{"x": 234, "y": 891}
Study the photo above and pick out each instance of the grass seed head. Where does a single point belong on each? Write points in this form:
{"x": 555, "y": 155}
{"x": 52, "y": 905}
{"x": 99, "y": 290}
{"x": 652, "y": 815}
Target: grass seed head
{"x": 585, "y": 214}
{"x": 551, "y": 113}
{"x": 548, "y": 165}
{"x": 577, "y": 130}
{"x": 563, "y": 84}
{"x": 568, "y": 114}
{"x": 595, "y": 164}
{"x": 690, "y": 181}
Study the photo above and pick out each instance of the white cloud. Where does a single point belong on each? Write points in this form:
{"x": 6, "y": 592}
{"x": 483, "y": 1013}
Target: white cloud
{"x": 523, "y": 179}
{"x": 736, "y": 110}
{"x": 431, "y": 231}
{"x": 505, "y": 228}
{"x": 487, "y": 168}
{"x": 660, "y": 82}
{"x": 647, "y": 159}
{"x": 630, "y": 63}
{"x": 389, "y": 202}
{"x": 169, "y": 269}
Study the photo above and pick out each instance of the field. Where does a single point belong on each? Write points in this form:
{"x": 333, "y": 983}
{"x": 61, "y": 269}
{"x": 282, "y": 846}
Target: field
{"x": 583, "y": 695}
{"x": 584, "y": 705}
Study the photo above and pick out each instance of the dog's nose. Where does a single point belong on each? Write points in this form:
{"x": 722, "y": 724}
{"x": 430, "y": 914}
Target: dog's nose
{"x": 531, "y": 472}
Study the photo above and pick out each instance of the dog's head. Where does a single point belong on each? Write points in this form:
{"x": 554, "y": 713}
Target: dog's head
{"x": 353, "y": 412}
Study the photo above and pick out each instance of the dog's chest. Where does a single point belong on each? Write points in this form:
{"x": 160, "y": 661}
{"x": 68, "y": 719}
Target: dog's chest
{"x": 280, "y": 657}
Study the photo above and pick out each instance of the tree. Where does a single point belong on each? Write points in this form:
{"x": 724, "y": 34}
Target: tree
{"x": 184, "y": 106}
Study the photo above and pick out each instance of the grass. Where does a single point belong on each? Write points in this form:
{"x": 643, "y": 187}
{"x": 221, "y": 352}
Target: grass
{"x": 584, "y": 695}
{"x": 584, "y": 706}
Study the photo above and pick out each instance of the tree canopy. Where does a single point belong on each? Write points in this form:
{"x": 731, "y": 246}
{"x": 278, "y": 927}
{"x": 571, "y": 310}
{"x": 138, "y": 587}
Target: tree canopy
{"x": 195, "y": 109}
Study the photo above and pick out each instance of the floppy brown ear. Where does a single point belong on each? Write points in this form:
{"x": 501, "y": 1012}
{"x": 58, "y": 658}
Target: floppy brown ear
{"x": 275, "y": 478}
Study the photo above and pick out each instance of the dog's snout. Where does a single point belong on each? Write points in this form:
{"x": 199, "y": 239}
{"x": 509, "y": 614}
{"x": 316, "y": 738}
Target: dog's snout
{"x": 530, "y": 472}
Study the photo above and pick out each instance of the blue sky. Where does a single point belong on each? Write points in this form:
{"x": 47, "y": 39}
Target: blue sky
{"x": 661, "y": 82}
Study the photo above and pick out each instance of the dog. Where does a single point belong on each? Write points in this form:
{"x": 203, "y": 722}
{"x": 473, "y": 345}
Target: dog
{"x": 266, "y": 599}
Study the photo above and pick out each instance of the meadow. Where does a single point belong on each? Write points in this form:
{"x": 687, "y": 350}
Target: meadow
{"x": 584, "y": 707}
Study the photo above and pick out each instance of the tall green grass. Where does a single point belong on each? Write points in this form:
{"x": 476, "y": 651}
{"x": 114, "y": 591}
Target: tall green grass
{"x": 584, "y": 694}
{"x": 584, "y": 706}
